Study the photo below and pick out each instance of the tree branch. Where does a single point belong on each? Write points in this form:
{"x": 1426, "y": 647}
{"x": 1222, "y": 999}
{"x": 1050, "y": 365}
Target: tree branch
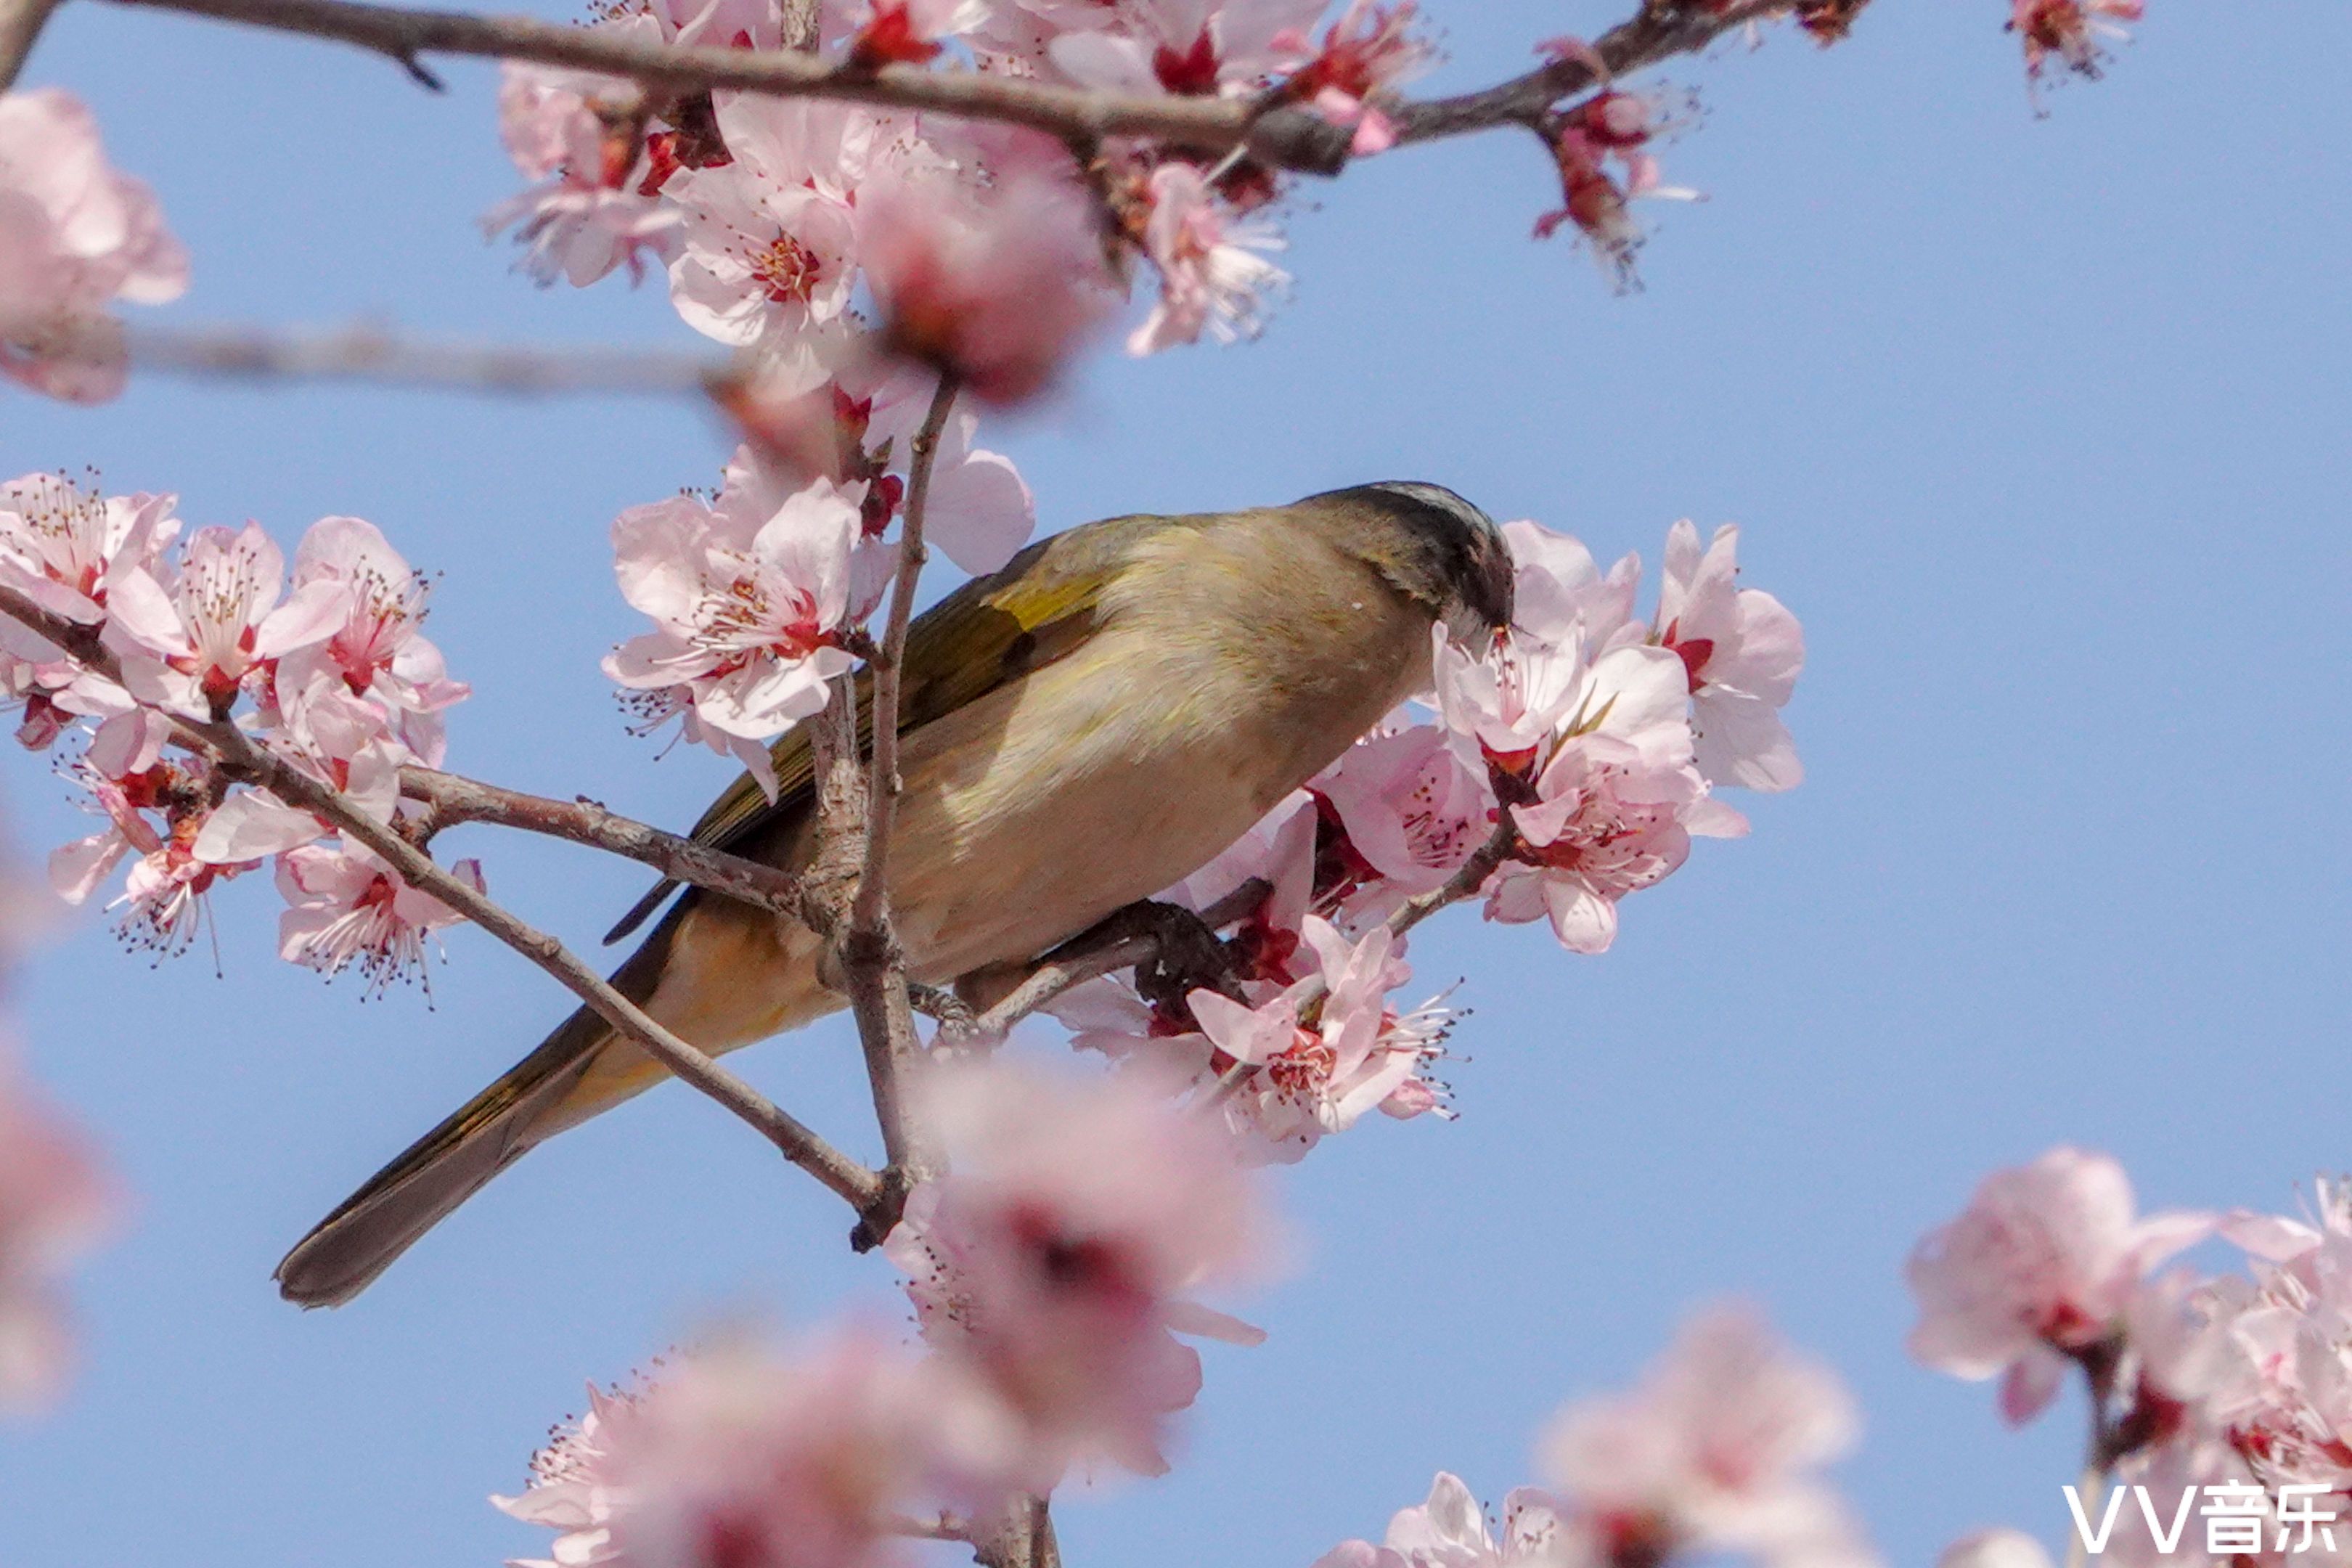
{"x": 873, "y": 967}
{"x": 450, "y": 799}
{"x": 239, "y": 757}
{"x": 1282, "y": 137}
{"x": 20, "y": 28}
{"x": 379, "y": 355}
{"x": 1291, "y": 139}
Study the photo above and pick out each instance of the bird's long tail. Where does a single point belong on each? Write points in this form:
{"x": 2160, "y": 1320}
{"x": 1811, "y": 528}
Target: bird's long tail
{"x": 681, "y": 977}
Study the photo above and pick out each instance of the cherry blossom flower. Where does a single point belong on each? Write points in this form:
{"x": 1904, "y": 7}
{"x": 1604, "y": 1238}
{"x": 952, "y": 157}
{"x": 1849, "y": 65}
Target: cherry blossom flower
{"x": 379, "y": 652}
{"x": 75, "y": 235}
{"x": 188, "y": 639}
{"x": 1742, "y": 651}
{"x": 759, "y": 264}
{"x": 164, "y": 897}
{"x": 54, "y": 1206}
{"x": 62, "y": 546}
{"x": 345, "y": 742}
{"x": 1211, "y": 274}
{"x": 1328, "y": 1048}
{"x": 1995, "y": 1549}
{"x": 570, "y": 131}
{"x": 1616, "y": 805}
{"x": 749, "y": 596}
{"x": 1279, "y": 849}
{"x": 1717, "y": 1449}
{"x": 1411, "y": 807}
{"x": 2071, "y": 31}
{"x": 745, "y": 1456}
{"x": 909, "y": 31}
{"x": 980, "y": 511}
{"x": 1509, "y": 699}
{"x": 1450, "y": 1530}
{"x": 1187, "y": 48}
{"x": 1057, "y": 1256}
{"x": 1367, "y": 54}
{"x": 1609, "y": 125}
{"x": 1562, "y": 599}
{"x": 997, "y": 287}
{"x": 2039, "y": 1268}
{"x": 347, "y": 907}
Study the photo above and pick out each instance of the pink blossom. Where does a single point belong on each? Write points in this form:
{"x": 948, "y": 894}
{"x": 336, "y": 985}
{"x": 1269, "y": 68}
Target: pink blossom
{"x": 345, "y": 742}
{"x": 1609, "y": 125}
{"x": 1616, "y": 805}
{"x": 1742, "y": 650}
{"x": 1187, "y": 48}
{"x": 380, "y": 652}
{"x": 980, "y": 511}
{"x": 189, "y": 639}
{"x": 54, "y": 1206}
{"x": 163, "y": 895}
{"x": 1367, "y": 54}
{"x": 1059, "y": 1254}
{"x": 1211, "y": 274}
{"x": 998, "y": 287}
{"x": 761, "y": 265}
{"x": 2038, "y": 1267}
{"x": 749, "y": 596}
{"x": 1510, "y": 700}
{"x": 1323, "y": 1063}
{"x": 1411, "y": 807}
{"x": 909, "y": 31}
{"x": 75, "y": 235}
{"x": 2071, "y": 30}
{"x": 1450, "y": 1530}
{"x": 1562, "y": 597}
{"x": 1716, "y": 1449}
{"x": 572, "y": 132}
{"x": 347, "y": 907}
{"x": 63, "y": 547}
{"x": 744, "y": 1457}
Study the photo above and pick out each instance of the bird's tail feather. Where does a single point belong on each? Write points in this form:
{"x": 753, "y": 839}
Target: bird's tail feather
{"x": 345, "y": 1251}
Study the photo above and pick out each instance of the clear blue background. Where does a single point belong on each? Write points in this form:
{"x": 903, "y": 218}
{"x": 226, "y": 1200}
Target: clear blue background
{"x": 2040, "y": 425}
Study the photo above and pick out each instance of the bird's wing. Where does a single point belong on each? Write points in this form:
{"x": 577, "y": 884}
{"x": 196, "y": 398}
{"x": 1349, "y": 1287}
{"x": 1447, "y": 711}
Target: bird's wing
{"x": 987, "y": 633}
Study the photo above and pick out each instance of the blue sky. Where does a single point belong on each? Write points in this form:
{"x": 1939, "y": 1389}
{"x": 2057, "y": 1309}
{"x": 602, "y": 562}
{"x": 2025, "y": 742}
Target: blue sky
{"x": 2038, "y": 424}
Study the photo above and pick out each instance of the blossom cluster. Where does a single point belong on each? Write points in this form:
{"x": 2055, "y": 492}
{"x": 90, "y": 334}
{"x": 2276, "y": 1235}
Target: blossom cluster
{"x": 164, "y": 633}
{"x": 756, "y": 591}
{"x": 1589, "y": 740}
{"x": 1050, "y": 1274}
{"x": 984, "y": 249}
{"x": 2235, "y": 1380}
{"x": 1717, "y": 1452}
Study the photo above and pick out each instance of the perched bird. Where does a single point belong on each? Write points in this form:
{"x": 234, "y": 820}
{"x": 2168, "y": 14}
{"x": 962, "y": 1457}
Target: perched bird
{"x": 1079, "y": 731}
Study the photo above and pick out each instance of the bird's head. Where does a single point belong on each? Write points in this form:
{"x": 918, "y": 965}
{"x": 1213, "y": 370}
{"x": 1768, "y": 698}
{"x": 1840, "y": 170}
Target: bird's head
{"x": 1435, "y": 547}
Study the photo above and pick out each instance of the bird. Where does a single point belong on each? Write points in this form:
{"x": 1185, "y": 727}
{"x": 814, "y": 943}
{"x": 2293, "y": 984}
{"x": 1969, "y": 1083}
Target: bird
{"x": 1079, "y": 731}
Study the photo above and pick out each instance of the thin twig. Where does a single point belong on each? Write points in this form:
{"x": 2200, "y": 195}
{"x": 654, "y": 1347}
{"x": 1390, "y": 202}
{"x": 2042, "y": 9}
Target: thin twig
{"x": 20, "y": 28}
{"x": 450, "y": 799}
{"x": 239, "y": 757}
{"x": 1282, "y": 138}
{"x": 1657, "y": 32}
{"x": 1131, "y": 936}
{"x": 380, "y": 356}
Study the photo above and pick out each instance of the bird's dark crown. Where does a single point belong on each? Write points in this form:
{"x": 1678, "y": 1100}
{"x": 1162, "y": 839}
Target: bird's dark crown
{"x": 1456, "y": 552}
